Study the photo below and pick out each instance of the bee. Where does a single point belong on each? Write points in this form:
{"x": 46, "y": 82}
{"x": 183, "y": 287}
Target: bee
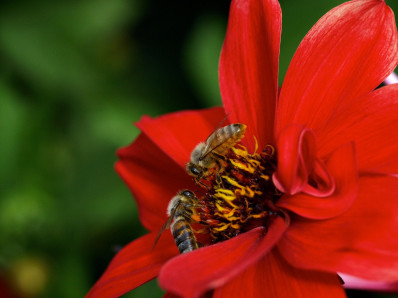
{"x": 180, "y": 211}
{"x": 206, "y": 155}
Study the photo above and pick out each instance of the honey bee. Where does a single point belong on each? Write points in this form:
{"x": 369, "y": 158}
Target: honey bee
{"x": 180, "y": 212}
{"x": 206, "y": 155}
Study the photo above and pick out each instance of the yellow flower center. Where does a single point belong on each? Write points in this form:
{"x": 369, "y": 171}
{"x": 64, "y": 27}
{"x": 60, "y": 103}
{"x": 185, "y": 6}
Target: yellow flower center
{"x": 239, "y": 195}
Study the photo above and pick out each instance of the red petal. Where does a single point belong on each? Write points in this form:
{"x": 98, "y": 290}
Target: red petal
{"x": 152, "y": 177}
{"x": 296, "y": 149}
{"x": 272, "y": 276}
{"x": 362, "y": 242}
{"x": 249, "y": 66}
{"x": 134, "y": 265}
{"x": 343, "y": 168}
{"x": 344, "y": 56}
{"x": 177, "y": 134}
{"x": 213, "y": 266}
{"x": 372, "y": 122}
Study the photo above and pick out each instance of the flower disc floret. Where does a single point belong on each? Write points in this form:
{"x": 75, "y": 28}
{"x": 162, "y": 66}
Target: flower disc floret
{"x": 240, "y": 195}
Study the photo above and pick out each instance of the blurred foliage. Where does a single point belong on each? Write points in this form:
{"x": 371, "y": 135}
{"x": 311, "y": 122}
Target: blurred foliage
{"x": 74, "y": 75}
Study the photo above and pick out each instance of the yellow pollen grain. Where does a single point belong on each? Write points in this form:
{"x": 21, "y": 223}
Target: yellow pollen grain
{"x": 225, "y": 192}
{"x": 241, "y": 166}
{"x": 235, "y": 226}
{"x": 243, "y": 191}
{"x": 226, "y": 212}
{"x": 250, "y": 192}
{"x": 265, "y": 177}
{"x": 222, "y": 228}
{"x": 195, "y": 217}
{"x": 226, "y": 198}
{"x": 262, "y": 214}
{"x": 222, "y": 209}
{"x": 230, "y": 218}
{"x": 201, "y": 231}
{"x": 255, "y": 145}
{"x": 240, "y": 152}
{"x": 254, "y": 163}
{"x": 272, "y": 150}
{"x": 232, "y": 182}
{"x": 229, "y": 214}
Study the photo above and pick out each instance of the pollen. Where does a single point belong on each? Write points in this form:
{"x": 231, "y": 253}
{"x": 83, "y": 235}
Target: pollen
{"x": 240, "y": 194}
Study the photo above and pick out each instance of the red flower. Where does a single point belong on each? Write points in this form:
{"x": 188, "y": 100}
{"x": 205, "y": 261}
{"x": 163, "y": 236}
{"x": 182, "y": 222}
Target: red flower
{"x": 337, "y": 162}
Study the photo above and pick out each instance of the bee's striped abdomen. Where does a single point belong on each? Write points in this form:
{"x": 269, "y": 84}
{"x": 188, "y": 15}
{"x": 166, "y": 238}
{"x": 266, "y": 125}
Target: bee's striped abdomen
{"x": 183, "y": 235}
{"x": 226, "y": 137}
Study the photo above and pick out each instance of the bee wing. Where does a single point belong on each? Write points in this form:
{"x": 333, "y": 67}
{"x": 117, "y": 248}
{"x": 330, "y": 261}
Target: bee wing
{"x": 209, "y": 149}
{"x": 166, "y": 225}
{"x": 218, "y": 126}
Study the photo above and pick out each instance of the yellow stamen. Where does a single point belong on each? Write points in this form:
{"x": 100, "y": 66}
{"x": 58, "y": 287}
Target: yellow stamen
{"x": 242, "y": 166}
{"x": 235, "y": 226}
{"x": 232, "y": 182}
{"x": 255, "y": 145}
{"x": 238, "y": 197}
{"x": 240, "y": 152}
{"x": 222, "y": 209}
{"x": 222, "y": 228}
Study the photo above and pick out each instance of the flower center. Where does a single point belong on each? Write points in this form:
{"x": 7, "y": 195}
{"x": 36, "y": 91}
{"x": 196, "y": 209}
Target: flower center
{"x": 240, "y": 194}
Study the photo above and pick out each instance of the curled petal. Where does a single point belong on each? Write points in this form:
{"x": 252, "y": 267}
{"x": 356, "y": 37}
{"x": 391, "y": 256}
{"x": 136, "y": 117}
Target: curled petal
{"x": 213, "y": 266}
{"x": 342, "y": 166}
{"x": 347, "y": 54}
{"x": 274, "y": 277}
{"x": 134, "y": 265}
{"x": 249, "y": 66}
{"x": 296, "y": 149}
{"x": 361, "y": 242}
{"x": 321, "y": 182}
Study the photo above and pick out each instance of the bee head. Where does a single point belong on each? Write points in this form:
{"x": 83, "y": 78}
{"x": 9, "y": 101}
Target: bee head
{"x": 194, "y": 170}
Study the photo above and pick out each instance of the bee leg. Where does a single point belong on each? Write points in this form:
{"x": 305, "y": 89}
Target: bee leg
{"x": 199, "y": 182}
{"x": 218, "y": 171}
{"x": 219, "y": 180}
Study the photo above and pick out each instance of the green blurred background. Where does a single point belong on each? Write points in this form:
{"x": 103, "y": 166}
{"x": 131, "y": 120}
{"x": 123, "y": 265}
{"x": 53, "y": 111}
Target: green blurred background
{"x": 74, "y": 76}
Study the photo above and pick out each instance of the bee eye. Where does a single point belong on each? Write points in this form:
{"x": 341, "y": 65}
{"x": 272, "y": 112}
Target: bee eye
{"x": 188, "y": 193}
{"x": 194, "y": 170}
